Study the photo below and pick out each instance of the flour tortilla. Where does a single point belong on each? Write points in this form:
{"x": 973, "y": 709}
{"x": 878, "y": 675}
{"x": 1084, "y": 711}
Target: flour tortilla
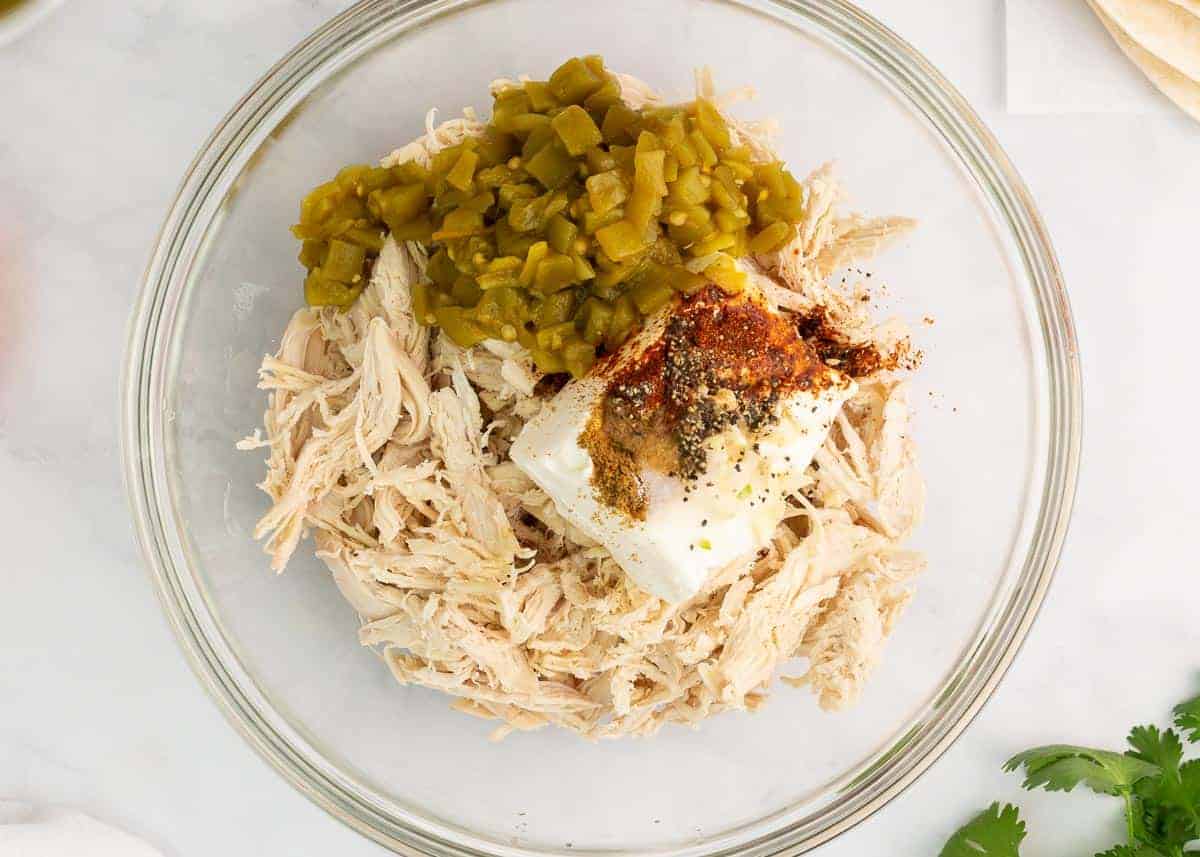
{"x": 1179, "y": 87}
{"x": 1164, "y": 28}
{"x": 1192, "y": 6}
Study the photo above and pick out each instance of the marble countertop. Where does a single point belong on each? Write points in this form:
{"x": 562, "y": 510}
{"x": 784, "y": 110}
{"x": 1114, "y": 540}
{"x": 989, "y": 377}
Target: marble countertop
{"x": 105, "y": 104}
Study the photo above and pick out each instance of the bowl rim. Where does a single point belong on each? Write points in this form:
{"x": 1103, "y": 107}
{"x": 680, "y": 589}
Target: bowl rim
{"x": 897, "y": 65}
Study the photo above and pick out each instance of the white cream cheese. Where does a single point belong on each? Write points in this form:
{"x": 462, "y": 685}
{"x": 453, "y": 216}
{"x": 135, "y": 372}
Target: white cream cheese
{"x": 691, "y": 528}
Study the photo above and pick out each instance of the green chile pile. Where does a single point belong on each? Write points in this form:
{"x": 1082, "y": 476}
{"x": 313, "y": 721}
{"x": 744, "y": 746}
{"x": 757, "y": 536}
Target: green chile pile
{"x": 570, "y": 219}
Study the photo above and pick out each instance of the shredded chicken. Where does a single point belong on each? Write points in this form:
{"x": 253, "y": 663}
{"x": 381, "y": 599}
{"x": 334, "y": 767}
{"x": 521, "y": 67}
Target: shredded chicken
{"x": 390, "y": 447}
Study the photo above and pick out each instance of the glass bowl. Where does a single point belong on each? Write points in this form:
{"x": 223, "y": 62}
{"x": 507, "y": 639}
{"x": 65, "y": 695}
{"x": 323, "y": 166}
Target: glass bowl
{"x": 998, "y": 423}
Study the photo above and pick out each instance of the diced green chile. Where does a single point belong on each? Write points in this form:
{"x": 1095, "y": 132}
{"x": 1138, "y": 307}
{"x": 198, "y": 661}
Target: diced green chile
{"x": 563, "y": 224}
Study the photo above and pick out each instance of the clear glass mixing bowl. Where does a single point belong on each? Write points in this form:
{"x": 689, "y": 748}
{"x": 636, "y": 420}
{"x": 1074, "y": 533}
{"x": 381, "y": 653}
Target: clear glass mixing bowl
{"x": 998, "y": 425}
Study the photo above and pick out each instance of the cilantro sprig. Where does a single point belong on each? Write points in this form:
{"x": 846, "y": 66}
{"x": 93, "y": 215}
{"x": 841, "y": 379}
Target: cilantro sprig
{"x": 1159, "y": 789}
{"x": 1187, "y": 719}
{"x": 995, "y": 832}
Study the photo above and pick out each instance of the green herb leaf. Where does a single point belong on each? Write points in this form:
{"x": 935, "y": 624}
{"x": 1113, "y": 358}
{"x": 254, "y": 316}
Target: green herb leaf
{"x": 1162, "y": 749}
{"x": 1159, "y": 790}
{"x": 1061, "y": 767}
{"x": 1168, "y": 809}
{"x": 1189, "y": 780}
{"x": 995, "y": 832}
{"x": 1187, "y": 719}
{"x": 1130, "y": 851}
{"x": 1168, "y": 805}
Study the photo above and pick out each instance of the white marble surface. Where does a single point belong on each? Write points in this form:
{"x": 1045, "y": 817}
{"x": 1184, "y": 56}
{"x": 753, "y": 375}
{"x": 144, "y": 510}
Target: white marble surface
{"x": 104, "y": 104}
{"x": 1060, "y": 59}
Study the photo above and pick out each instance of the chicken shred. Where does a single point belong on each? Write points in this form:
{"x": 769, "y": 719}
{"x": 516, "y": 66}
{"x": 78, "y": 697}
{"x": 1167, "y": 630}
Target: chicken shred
{"x": 388, "y": 444}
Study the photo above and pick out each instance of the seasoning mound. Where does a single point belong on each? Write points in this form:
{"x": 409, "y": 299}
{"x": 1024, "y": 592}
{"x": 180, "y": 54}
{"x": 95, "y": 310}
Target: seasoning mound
{"x": 720, "y": 361}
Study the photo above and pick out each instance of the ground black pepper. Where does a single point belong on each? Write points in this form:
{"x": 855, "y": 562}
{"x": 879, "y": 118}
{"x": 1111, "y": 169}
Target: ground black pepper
{"x": 721, "y": 361}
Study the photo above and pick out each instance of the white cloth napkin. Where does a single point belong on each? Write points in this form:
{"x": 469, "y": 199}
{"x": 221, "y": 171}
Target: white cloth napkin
{"x": 1060, "y": 59}
{"x": 29, "y": 831}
